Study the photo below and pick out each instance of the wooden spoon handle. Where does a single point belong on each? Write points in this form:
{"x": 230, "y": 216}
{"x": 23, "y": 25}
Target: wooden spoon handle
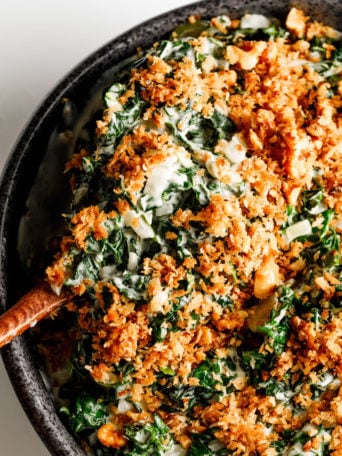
{"x": 35, "y": 305}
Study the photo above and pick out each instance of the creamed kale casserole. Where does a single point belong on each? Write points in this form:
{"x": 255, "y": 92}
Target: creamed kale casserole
{"x": 203, "y": 248}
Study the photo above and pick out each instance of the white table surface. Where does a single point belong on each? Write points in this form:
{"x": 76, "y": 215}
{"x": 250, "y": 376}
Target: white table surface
{"x": 40, "y": 41}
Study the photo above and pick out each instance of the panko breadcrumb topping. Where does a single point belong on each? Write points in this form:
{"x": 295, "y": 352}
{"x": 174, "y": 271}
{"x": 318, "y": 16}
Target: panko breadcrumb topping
{"x": 204, "y": 247}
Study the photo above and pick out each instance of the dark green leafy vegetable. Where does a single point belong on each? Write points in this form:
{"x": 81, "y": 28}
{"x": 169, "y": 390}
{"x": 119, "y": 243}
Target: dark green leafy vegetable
{"x": 88, "y": 414}
{"x": 205, "y": 373}
{"x": 122, "y": 121}
{"x": 197, "y": 131}
{"x": 206, "y": 445}
{"x": 277, "y": 329}
{"x": 176, "y": 50}
{"x": 184, "y": 397}
{"x": 149, "y": 439}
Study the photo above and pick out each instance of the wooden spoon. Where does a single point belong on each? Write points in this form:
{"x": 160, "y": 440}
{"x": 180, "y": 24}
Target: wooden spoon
{"x": 35, "y": 305}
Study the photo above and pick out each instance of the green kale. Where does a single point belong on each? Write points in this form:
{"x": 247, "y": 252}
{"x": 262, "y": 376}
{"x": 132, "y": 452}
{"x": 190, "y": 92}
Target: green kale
{"x": 86, "y": 414}
{"x": 279, "y": 446}
{"x": 184, "y": 397}
{"x": 122, "y": 122}
{"x": 161, "y": 324}
{"x": 197, "y": 131}
{"x": 112, "y": 252}
{"x": 277, "y": 329}
{"x": 276, "y": 332}
{"x": 133, "y": 286}
{"x": 174, "y": 50}
{"x": 207, "y": 445}
{"x": 325, "y": 247}
{"x": 85, "y": 267}
{"x": 223, "y": 126}
{"x": 273, "y": 31}
{"x": 310, "y": 202}
{"x": 149, "y": 439}
{"x": 255, "y": 362}
{"x": 280, "y": 390}
{"x": 206, "y": 371}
